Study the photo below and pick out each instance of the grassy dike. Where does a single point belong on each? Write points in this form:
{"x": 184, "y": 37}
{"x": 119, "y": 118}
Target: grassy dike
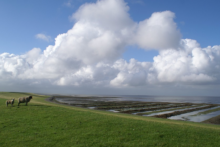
{"x": 42, "y": 123}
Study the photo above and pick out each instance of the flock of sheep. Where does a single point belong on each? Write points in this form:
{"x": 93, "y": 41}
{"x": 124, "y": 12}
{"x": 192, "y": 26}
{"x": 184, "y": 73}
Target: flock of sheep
{"x": 20, "y": 100}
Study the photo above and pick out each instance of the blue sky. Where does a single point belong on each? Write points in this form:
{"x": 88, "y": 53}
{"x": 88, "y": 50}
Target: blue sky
{"x": 173, "y": 59}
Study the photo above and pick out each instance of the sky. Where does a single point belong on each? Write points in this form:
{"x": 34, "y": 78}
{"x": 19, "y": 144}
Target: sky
{"x": 110, "y": 47}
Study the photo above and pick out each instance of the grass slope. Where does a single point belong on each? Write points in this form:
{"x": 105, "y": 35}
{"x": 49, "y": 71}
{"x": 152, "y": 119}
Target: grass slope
{"x": 42, "y": 123}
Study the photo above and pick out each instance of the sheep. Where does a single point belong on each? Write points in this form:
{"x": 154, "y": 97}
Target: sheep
{"x": 24, "y": 100}
{"x": 10, "y": 102}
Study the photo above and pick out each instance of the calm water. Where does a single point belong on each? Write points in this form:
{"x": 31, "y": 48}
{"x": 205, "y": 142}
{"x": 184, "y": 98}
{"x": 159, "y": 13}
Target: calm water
{"x": 175, "y": 99}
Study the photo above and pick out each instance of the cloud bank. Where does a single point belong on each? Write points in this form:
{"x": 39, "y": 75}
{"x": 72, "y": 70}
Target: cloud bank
{"x": 90, "y": 53}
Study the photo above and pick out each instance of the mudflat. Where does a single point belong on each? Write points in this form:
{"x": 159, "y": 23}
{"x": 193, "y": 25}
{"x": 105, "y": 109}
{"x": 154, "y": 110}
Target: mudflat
{"x": 153, "y": 109}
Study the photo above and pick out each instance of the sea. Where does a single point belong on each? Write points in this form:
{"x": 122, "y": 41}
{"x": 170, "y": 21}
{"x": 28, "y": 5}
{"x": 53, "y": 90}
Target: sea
{"x": 174, "y": 99}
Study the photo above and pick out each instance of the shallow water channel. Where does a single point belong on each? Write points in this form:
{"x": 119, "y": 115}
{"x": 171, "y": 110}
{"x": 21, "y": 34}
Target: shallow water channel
{"x": 195, "y": 116}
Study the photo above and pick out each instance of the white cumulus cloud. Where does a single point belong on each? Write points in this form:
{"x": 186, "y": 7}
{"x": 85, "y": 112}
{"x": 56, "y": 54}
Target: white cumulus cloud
{"x": 158, "y": 32}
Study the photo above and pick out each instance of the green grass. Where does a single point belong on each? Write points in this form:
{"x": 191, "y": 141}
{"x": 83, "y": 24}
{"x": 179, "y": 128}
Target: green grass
{"x": 42, "y": 123}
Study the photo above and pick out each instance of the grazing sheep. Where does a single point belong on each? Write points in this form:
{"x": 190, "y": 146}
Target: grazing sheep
{"x": 10, "y": 102}
{"x": 24, "y": 100}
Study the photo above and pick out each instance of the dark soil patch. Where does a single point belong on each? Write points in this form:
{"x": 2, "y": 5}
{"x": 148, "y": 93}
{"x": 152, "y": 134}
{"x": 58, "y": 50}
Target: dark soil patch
{"x": 214, "y": 120}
